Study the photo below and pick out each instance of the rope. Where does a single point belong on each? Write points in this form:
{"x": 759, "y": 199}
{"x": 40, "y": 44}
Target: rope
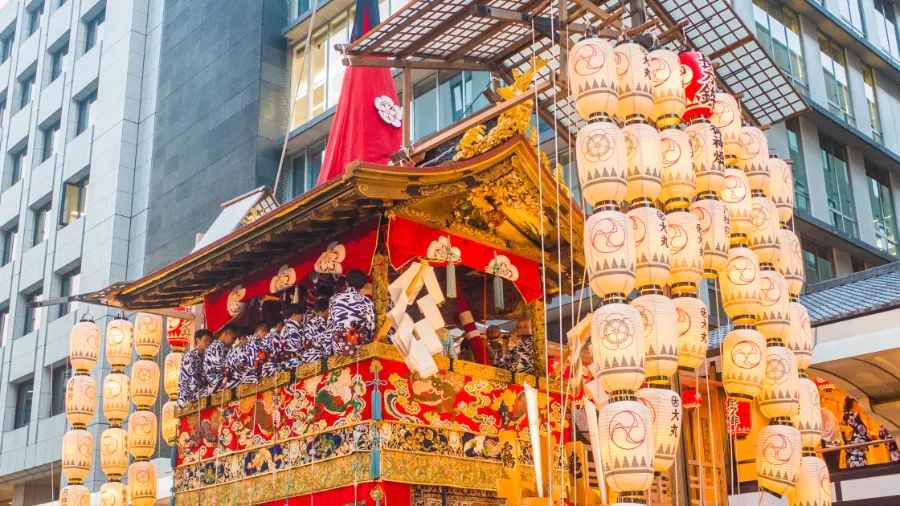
{"x": 698, "y": 442}
{"x": 712, "y": 440}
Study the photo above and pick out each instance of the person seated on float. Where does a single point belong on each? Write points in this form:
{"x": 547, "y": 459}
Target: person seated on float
{"x": 192, "y": 382}
{"x": 290, "y": 345}
{"x": 517, "y": 349}
{"x": 260, "y": 346}
{"x": 214, "y": 363}
{"x": 465, "y": 351}
{"x": 316, "y": 340}
{"x": 269, "y": 347}
{"x": 493, "y": 335}
{"x": 351, "y": 316}
{"x": 240, "y": 363}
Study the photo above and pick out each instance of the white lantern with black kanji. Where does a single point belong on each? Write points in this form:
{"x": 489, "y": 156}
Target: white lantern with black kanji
{"x": 651, "y": 245}
{"x": 635, "y": 84}
{"x": 592, "y": 77}
{"x": 617, "y": 345}
{"x": 737, "y": 198}
{"x": 693, "y": 330}
{"x": 679, "y": 183}
{"x": 77, "y": 450}
{"x": 774, "y": 318}
{"x": 171, "y": 374}
{"x": 142, "y": 483}
{"x": 664, "y": 406}
{"x": 114, "y": 493}
{"x": 148, "y": 334}
{"x": 644, "y": 162}
{"x": 740, "y": 285}
{"x": 114, "y": 452}
{"x": 84, "y": 345}
{"x": 144, "y": 383}
{"x": 659, "y": 319}
{"x": 778, "y": 454}
{"x": 709, "y": 158}
{"x": 743, "y": 362}
{"x": 753, "y": 158}
{"x": 609, "y": 253}
{"x": 81, "y": 394}
{"x": 169, "y": 422}
{"x": 764, "y": 237}
{"x": 781, "y": 188}
{"x": 790, "y": 262}
{"x": 119, "y": 342}
{"x": 668, "y": 90}
{"x": 142, "y": 434}
{"x": 715, "y": 232}
{"x": 685, "y": 251}
{"x": 75, "y": 495}
{"x": 602, "y": 165}
{"x": 116, "y": 397}
{"x": 727, "y": 118}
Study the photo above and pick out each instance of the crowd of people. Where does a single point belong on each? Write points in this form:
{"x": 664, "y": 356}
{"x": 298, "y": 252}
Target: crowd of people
{"x": 337, "y": 322}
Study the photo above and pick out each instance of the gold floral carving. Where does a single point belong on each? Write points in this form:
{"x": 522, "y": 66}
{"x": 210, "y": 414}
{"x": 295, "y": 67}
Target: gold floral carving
{"x": 380, "y": 283}
{"x": 482, "y": 371}
{"x": 308, "y": 370}
{"x": 438, "y": 470}
{"x": 538, "y": 333}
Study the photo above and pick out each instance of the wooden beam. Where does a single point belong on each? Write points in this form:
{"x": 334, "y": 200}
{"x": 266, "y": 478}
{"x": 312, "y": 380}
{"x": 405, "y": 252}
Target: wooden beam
{"x": 393, "y": 63}
{"x": 730, "y": 47}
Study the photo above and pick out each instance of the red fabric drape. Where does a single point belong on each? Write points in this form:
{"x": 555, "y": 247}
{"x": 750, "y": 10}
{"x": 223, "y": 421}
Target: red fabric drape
{"x": 408, "y": 240}
{"x": 395, "y": 494}
{"x": 353, "y": 249}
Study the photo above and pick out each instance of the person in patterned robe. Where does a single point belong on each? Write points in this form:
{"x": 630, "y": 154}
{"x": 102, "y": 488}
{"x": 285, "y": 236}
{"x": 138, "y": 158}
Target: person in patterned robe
{"x": 316, "y": 340}
{"x": 261, "y": 346}
{"x": 518, "y": 353}
{"x": 351, "y": 316}
{"x": 855, "y": 431}
{"x": 893, "y": 451}
{"x": 214, "y": 360}
{"x": 192, "y": 382}
{"x": 291, "y": 345}
{"x": 241, "y": 363}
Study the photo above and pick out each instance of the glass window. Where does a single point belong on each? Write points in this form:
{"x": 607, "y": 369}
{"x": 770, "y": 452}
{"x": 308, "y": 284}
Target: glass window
{"x": 882, "y": 209}
{"x": 32, "y": 314}
{"x": 69, "y": 284}
{"x": 74, "y": 200}
{"x": 886, "y": 27}
{"x": 6, "y": 45}
{"x": 49, "y": 139}
{"x": 778, "y": 30}
{"x": 58, "y": 61}
{"x": 4, "y": 326}
{"x": 425, "y": 108}
{"x": 85, "y": 113}
{"x": 305, "y": 168}
{"x": 798, "y": 166}
{"x": 41, "y": 227}
{"x": 18, "y": 163}
{"x": 451, "y": 104}
{"x": 10, "y": 236}
{"x": 26, "y": 90}
{"x": 476, "y": 83}
{"x": 837, "y": 184}
{"x": 34, "y": 18}
{"x": 852, "y": 14}
{"x": 340, "y": 34}
{"x": 59, "y": 377}
{"x": 872, "y": 102}
{"x": 94, "y": 30}
{"x": 2, "y": 110}
{"x": 24, "y": 395}
{"x": 837, "y": 86}
{"x": 301, "y": 85}
{"x": 61, "y": 3}
{"x": 818, "y": 262}
{"x": 318, "y": 71}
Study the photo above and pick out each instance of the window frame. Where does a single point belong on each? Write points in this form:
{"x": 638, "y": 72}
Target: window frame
{"x": 34, "y": 18}
{"x": 26, "y": 90}
{"x": 33, "y": 315}
{"x": 49, "y": 138}
{"x": 18, "y": 164}
{"x": 24, "y": 403}
{"x": 69, "y": 284}
{"x": 4, "y": 326}
{"x": 10, "y": 242}
{"x": 92, "y": 30}
{"x": 869, "y": 86}
{"x": 881, "y": 198}
{"x": 819, "y": 254}
{"x": 859, "y": 30}
{"x": 58, "y": 387}
{"x": 798, "y": 164}
{"x": 884, "y": 31}
{"x": 830, "y": 151}
{"x": 6, "y": 45}
{"x": 83, "y": 110}
{"x": 797, "y": 75}
{"x": 40, "y": 216}
{"x": 58, "y": 61}
{"x": 81, "y": 187}
{"x": 843, "y": 107}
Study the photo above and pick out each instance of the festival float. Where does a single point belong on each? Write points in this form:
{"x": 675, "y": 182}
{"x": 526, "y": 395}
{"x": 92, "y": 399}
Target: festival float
{"x": 627, "y": 403}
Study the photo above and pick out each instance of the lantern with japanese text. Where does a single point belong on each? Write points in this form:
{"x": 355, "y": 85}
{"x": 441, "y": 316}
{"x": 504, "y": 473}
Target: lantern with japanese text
{"x": 169, "y": 422}
{"x": 116, "y": 397}
{"x": 148, "y": 334}
{"x": 709, "y": 159}
{"x": 778, "y": 399}
{"x": 781, "y": 188}
{"x": 77, "y": 450}
{"x": 119, "y": 342}
{"x": 114, "y": 494}
{"x": 179, "y": 332}
{"x": 172, "y": 371}
{"x": 651, "y": 245}
{"x": 773, "y": 320}
{"x": 142, "y": 434}
{"x": 814, "y": 481}
{"x": 800, "y": 340}
{"x": 808, "y": 419}
{"x": 679, "y": 183}
{"x": 754, "y": 158}
{"x": 144, "y": 383}
{"x": 602, "y": 165}
{"x": 75, "y": 495}
{"x": 743, "y": 362}
{"x": 664, "y": 406}
{"x": 84, "y": 345}
{"x": 693, "y": 330}
{"x": 764, "y": 237}
{"x": 699, "y": 80}
{"x": 617, "y": 344}
{"x": 668, "y": 90}
{"x": 737, "y": 198}
{"x": 644, "y": 161}
{"x": 142, "y": 483}
{"x": 715, "y": 232}
{"x": 660, "y": 323}
{"x": 81, "y": 393}
{"x": 727, "y": 118}
{"x": 691, "y": 398}
{"x": 635, "y": 84}
{"x": 114, "y": 452}
{"x": 737, "y": 418}
{"x": 778, "y": 454}
{"x": 593, "y": 78}
{"x": 609, "y": 252}
{"x": 790, "y": 263}
{"x": 739, "y": 283}
{"x": 685, "y": 251}
{"x": 627, "y": 446}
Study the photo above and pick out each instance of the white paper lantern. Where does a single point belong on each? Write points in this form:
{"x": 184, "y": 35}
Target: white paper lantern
{"x": 77, "y": 450}
{"x": 651, "y": 239}
{"x": 778, "y": 454}
{"x": 754, "y": 158}
{"x": 635, "y": 85}
{"x": 75, "y": 495}
{"x": 644, "y": 160}
{"x": 781, "y": 188}
{"x": 617, "y": 344}
{"x": 664, "y": 406}
{"x": 685, "y": 251}
{"x": 116, "y": 397}
{"x": 739, "y": 284}
{"x": 81, "y": 394}
{"x": 169, "y": 422}
{"x": 693, "y": 330}
{"x": 743, "y": 362}
{"x": 144, "y": 383}
{"x": 774, "y": 318}
{"x": 726, "y": 117}
{"x": 84, "y": 345}
{"x": 114, "y": 494}
{"x": 592, "y": 77}
{"x": 765, "y": 236}
{"x": 715, "y": 232}
{"x": 148, "y": 334}
{"x": 800, "y": 340}
{"x": 790, "y": 263}
{"x": 737, "y": 198}
{"x": 808, "y": 419}
{"x": 602, "y": 165}
{"x": 814, "y": 482}
{"x": 609, "y": 252}
{"x": 142, "y": 484}
{"x": 119, "y": 342}
{"x": 779, "y": 394}
{"x": 142, "y": 434}
{"x": 709, "y": 159}
{"x": 679, "y": 183}
{"x": 660, "y": 322}
{"x": 627, "y": 446}
{"x": 114, "y": 452}
{"x": 172, "y": 373}
{"x": 668, "y": 90}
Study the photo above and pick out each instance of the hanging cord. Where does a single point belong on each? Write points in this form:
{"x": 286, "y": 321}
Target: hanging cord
{"x": 712, "y": 440}
{"x": 699, "y": 445}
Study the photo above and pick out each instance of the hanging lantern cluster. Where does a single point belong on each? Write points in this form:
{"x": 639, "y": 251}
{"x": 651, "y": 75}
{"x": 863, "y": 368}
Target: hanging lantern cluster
{"x": 143, "y": 428}
{"x": 178, "y": 340}
{"x": 121, "y": 338}
{"x": 81, "y": 395}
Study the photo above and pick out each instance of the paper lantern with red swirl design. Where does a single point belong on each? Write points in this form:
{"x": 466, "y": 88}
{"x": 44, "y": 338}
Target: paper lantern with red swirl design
{"x": 84, "y": 345}
{"x": 77, "y": 450}
{"x": 179, "y": 332}
{"x": 635, "y": 84}
{"x": 739, "y": 283}
{"x": 685, "y": 251}
{"x": 644, "y": 162}
{"x": 764, "y": 237}
{"x": 148, "y": 330}
{"x": 778, "y": 398}
{"x": 800, "y": 339}
{"x": 142, "y": 434}
{"x": 679, "y": 183}
{"x": 171, "y": 374}
{"x": 592, "y": 77}
{"x": 715, "y": 232}
{"x": 627, "y": 446}
{"x": 144, "y": 383}
{"x": 664, "y": 406}
{"x": 602, "y": 165}
{"x": 693, "y": 330}
{"x": 727, "y": 118}
{"x": 737, "y": 198}
{"x": 75, "y": 495}
{"x": 743, "y": 362}
{"x": 651, "y": 239}
{"x": 668, "y": 90}
{"x": 81, "y": 394}
{"x": 119, "y": 342}
{"x": 169, "y": 422}
{"x": 114, "y": 452}
{"x": 737, "y": 418}
{"x": 790, "y": 262}
{"x": 781, "y": 188}
{"x": 778, "y": 454}
{"x": 774, "y": 318}
{"x": 617, "y": 345}
{"x": 114, "y": 494}
{"x": 754, "y": 158}
{"x": 142, "y": 484}
{"x": 808, "y": 419}
{"x": 660, "y": 322}
{"x": 709, "y": 159}
{"x": 699, "y": 80}
{"x": 814, "y": 482}
{"x": 116, "y": 397}
{"x": 609, "y": 252}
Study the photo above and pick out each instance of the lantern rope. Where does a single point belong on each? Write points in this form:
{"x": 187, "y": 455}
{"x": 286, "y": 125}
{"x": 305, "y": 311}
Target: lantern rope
{"x": 727, "y": 421}
{"x": 698, "y": 442}
{"x": 712, "y": 440}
